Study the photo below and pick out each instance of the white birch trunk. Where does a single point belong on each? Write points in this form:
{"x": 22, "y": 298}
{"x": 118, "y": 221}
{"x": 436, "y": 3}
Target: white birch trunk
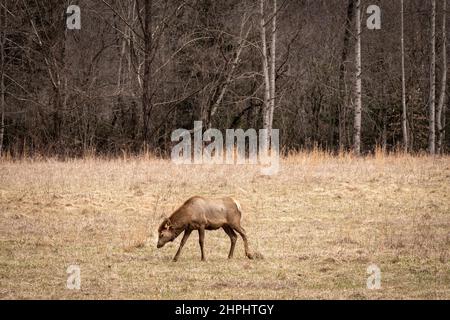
{"x": 404, "y": 111}
{"x": 273, "y": 65}
{"x": 432, "y": 98}
{"x": 441, "y": 103}
{"x": 266, "y": 107}
{"x": 358, "y": 84}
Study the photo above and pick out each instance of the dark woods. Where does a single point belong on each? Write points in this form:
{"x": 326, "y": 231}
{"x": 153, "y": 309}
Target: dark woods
{"x": 137, "y": 70}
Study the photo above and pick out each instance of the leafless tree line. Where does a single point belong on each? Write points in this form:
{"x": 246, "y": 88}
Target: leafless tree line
{"x": 137, "y": 70}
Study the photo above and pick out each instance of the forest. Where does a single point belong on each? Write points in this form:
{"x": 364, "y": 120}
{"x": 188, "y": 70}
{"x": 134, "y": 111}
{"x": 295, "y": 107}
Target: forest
{"x": 135, "y": 71}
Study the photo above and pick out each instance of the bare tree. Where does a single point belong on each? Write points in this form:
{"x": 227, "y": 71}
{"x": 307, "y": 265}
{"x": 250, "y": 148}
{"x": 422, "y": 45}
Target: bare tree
{"x": 273, "y": 57}
{"x": 342, "y": 73}
{"x": 265, "y": 66}
{"x": 3, "y": 23}
{"x": 441, "y": 103}
{"x": 146, "y": 81}
{"x": 358, "y": 85}
{"x": 432, "y": 97}
{"x": 404, "y": 117}
{"x": 242, "y": 38}
{"x": 269, "y": 75}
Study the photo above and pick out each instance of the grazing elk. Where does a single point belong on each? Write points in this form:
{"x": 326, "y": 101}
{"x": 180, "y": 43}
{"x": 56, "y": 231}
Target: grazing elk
{"x": 202, "y": 214}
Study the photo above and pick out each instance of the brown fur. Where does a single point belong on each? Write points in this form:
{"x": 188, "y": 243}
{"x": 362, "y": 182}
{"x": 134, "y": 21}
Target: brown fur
{"x": 199, "y": 213}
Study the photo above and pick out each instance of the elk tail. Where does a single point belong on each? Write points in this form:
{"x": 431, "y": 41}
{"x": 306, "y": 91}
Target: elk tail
{"x": 238, "y": 206}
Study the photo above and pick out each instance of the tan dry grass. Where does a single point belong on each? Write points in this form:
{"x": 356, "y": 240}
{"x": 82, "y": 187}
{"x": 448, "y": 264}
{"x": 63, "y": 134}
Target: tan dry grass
{"x": 318, "y": 224}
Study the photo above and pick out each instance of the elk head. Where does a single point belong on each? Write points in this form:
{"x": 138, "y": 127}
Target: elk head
{"x": 166, "y": 233}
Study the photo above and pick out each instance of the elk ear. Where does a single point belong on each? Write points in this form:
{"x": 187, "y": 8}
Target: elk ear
{"x": 168, "y": 224}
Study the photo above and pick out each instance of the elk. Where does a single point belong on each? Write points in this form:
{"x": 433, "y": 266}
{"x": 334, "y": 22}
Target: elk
{"x": 199, "y": 213}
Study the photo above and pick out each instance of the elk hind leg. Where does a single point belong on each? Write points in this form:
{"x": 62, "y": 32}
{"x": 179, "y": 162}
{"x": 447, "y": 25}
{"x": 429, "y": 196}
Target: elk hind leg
{"x": 241, "y": 231}
{"x": 233, "y": 237}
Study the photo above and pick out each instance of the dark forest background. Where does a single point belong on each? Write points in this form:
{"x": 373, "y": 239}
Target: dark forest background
{"x": 137, "y": 70}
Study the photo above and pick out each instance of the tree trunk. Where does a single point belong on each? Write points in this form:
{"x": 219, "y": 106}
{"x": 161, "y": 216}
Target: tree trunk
{"x": 441, "y": 103}
{"x": 358, "y": 85}
{"x": 269, "y": 76}
{"x": 404, "y": 114}
{"x": 342, "y": 72}
{"x": 272, "y": 66}
{"x": 146, "y": 81}
{"x": 266, "y": 106}
{"x": 444, "y": 124}
{"x": 3, "y": 14}
{"x": 432, "y": 98}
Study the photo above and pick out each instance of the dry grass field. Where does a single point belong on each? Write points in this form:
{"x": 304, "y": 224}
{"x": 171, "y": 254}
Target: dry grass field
{"x": 316, "y": 226}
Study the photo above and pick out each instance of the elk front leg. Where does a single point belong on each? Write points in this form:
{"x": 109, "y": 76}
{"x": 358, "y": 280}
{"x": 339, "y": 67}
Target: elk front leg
{"x": 201, "y": 240}
{"x": 187, "y": 232}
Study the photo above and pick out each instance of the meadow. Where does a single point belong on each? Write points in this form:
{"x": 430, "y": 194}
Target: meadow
{"x": 314, "y": 227}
